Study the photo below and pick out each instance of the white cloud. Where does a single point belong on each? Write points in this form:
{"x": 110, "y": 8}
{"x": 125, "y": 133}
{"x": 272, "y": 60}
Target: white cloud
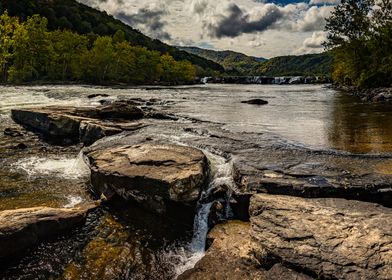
{"x": 254, "y": 27}
{"x": 313, "y": 44}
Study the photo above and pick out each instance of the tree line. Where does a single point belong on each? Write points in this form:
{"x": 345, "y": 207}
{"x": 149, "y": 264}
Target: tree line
{"x": 360, "y": 37}
{"x": 29, "y": 52}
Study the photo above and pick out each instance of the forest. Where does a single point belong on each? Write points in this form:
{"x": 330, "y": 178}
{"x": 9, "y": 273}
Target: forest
{"x": 82, "y": 19}
{"x": 29, "y": 52}
{"x": 360, "y": 37}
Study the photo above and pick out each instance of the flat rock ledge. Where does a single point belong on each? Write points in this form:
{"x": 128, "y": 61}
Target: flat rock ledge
{"x": 154, "y": 175}
{"x": 70, "y": 125}
{"x": 22, "y": 229}
{"x": 231, "y": 257}
{"x": 326, "y": 238}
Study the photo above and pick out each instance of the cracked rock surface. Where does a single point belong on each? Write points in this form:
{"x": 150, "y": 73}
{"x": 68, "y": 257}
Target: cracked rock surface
{"x": 332, "y": 238}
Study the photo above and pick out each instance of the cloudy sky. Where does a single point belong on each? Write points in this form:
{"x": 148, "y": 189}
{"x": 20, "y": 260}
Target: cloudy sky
{"x": 264, "y": 28}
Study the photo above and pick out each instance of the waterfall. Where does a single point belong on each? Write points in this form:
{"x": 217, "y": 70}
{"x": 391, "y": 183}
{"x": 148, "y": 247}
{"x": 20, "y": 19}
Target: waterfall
{"x": 221, "y": 175}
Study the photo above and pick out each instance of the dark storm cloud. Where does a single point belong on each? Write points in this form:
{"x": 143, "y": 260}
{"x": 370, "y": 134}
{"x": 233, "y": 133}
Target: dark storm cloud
{"x": 238, "y": 22}
{"x": 150, "y": 19}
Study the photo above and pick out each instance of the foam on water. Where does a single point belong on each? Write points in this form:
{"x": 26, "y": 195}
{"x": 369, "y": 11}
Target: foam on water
{"x": 73, "y": 201}
{"x": 63, "y": 167}
{"x": 221, "y": 174}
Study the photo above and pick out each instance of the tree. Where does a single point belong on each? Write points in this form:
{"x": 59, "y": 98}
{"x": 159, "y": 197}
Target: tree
{"x": 101, "y": 59}
{"x": 359, "y": 35}
{"x": 8, "y": 25}
{"x": 119, "y": 36}
{"x": 32, "y": 50}
{"x": 67, "y": 49}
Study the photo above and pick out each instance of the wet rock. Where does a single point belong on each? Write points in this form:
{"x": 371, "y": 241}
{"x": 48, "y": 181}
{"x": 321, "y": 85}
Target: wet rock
{"x": 22, "y": 229}
{"x": 12, "y": 132}
{"x": 162, "y": 116}
{"x": 89, "y": 132}
{"x": 151, "y": 174}
{"x": 231, "y": 257}
{"x": 330, "y": 238}
{"x": 91, "y": 96}
{"x": 217, "y": 213}
{"x": 70, "y": 125}
{"x": 120, "y": 110}
{"x": 20, "y": 146}
{"x": 264, "y": 165}
{"x": 255, "y": 102}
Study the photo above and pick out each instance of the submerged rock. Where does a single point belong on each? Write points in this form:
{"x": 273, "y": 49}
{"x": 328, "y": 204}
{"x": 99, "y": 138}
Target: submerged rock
{"x": 22, "y": 229}
{"x": 12, "y": 132}
{"x": 256, "y": 101}
{"x": 151, "y": 174}
{"x": 331, "y": 238}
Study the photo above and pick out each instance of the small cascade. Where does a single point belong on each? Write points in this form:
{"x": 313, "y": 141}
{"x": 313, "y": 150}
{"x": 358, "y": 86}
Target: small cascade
{"x": 63, "y": 167}
{"x": 80, "y": 166}
{"x": 221, "y": 177}
{"x": 73, "y": 201}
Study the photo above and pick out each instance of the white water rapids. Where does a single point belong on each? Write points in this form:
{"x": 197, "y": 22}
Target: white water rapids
{"x": 62, "y": 166}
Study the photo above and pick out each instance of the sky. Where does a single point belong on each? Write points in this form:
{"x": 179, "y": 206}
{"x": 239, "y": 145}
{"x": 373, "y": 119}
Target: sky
{"x": 261, "y": 28}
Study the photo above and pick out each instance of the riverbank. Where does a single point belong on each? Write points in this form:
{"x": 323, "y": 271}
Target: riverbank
{"x": 380, "y": 94}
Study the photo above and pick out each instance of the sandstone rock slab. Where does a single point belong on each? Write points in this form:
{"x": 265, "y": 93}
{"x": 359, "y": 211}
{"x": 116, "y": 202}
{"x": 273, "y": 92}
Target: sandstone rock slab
{"x": 151, "y": 174}
{"x": 231, "y": 257}
{"x": 330, "y": 238}
{"x": 69, "y": 125}
{"x": 21, "y": 229}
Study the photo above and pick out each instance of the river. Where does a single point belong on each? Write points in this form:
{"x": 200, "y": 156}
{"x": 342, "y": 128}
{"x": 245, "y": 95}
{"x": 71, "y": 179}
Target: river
{"x": 311, "y": 116}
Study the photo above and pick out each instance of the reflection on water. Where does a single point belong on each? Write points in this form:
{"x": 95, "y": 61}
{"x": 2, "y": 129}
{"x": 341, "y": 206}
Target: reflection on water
{"x": 309, "y": 115}
{"x": 360, "y": 127}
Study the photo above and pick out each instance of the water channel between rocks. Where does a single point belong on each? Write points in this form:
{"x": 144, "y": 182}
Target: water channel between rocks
{"x": 127, "y": 242}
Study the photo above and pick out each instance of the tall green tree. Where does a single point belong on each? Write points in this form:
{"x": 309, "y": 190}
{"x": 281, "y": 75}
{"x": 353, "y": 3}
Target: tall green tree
{"x": 32, "y": 50}
{"x": 8, "y": 25}
{"x": 359, "y": 35}
{"x": 67, "y": 48}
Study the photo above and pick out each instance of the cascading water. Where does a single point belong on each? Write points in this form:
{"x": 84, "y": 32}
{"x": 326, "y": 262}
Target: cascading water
{"x": 221, "y": 176}
{"x": 64, "y": 167}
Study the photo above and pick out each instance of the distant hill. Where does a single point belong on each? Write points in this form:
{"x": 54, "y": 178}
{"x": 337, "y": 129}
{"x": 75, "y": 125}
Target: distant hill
{"x": 69, "y": 14}
{"x": 234, "y": 63}
{"x": 241, "y": 64}
{"x": 301, "y": 65}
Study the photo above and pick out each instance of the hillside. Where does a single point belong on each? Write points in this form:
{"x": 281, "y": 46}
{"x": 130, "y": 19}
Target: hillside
{"x": 69, "y": 14}
{"x": 243, "y": 65}
{"x": 302, "y": 65}
{"x": 234, "y": 63}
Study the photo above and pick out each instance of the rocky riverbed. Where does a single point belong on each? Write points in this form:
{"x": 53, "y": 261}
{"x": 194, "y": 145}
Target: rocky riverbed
{"x": 273, "y": 209}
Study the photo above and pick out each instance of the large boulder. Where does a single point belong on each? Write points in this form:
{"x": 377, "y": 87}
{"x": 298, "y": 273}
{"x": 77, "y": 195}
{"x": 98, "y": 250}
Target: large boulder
{"x": 151, "y": 174}
{"x": 21, "y": 229}
{"x": 69, "y": 125}
{"x": 231, "y": 257}
{"x": 330, "y": 238}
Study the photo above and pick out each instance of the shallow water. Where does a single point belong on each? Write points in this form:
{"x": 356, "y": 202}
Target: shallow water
{"x": 42, "y": 175}
{"x": 310, "y": 115}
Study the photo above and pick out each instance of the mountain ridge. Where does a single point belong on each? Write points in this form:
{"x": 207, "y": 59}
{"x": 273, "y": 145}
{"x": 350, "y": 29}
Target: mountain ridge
{"x": 236, "y": 63}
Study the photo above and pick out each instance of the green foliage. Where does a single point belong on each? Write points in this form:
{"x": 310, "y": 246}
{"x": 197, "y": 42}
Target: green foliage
{"x": 30, "y": 52}
{"x": 234, "y": 63}
{"x": 302, "y": 65}
{"x": 69, "y": 14}
{"x": 7, "y": 27}
{"x": 243, "y": 65}
{"x": 360, "y": 37}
